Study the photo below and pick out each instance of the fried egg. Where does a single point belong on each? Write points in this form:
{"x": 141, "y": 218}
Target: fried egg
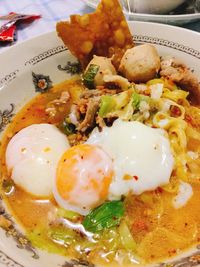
{"x": 32, "y": 156}
{"x": 142, "y": 157}
{"x": 83, "y": 178}
{"x": 127, "y": 157}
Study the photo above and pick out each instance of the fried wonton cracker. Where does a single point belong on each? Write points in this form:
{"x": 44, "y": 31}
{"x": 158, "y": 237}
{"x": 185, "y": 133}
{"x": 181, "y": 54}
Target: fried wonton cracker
{"x": 104, "y": 33}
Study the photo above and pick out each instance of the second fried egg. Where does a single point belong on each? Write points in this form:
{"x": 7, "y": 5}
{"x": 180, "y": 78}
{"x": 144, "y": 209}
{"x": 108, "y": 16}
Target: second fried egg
{"x": 127, "y": 157}
{"x": 83, "y": 177}
{"x": 142, "y": 156}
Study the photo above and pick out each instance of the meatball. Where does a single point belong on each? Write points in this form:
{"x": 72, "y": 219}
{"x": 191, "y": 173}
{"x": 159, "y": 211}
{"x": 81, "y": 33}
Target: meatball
{"x": 140, "y": 63}
{"x": 105, "y": 67}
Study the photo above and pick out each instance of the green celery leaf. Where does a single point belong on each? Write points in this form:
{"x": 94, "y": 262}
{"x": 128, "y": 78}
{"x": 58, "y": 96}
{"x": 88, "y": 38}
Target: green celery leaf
{"x": 105, "y": 216}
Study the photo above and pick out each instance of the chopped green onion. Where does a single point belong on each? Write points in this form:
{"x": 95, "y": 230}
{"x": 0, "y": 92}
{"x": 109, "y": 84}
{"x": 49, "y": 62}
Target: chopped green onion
{"x": 62, "y": 235}
{"x": 126, "y": 237}
{"x": 136, "y": 99}
{"x": 89, "y": 76}
{"x": 7, "y": 186}
{"x": 155, "y": 81}
{"x": 67, "y": 214}
{"x": 107, "y": 104}
{"x": 68, "y": 127}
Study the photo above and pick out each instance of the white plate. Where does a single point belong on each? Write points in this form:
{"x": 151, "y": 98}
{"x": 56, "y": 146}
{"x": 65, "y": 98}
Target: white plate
{"x": 167, "y": 19}
{"x": 43, "y": 55}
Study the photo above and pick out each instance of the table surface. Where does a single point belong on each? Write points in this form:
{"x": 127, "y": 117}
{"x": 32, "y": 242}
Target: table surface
{"x": 51, "y": 11}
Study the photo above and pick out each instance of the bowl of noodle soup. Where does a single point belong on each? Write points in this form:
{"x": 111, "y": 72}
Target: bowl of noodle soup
{"x": 156, "y": 227}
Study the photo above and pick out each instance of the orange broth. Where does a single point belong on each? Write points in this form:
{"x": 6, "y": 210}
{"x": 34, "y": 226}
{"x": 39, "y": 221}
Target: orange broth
{"x": 159, "y": 230}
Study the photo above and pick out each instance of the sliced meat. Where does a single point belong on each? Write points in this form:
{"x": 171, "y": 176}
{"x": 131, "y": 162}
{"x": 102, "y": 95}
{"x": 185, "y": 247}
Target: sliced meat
{"x": 117, "y": 80}
{"x": 89, "y": 119}
{"x": 140, "y": 63}
{"x": 101, "y": 90}
{"x": 51, "y": 108}
{"x": 182, "y": 76}
{"x": 100, "y": 122}
{"x": 90, "y": 93}
{"x": 64, "y": 98}
{"x": 82, "y": 105}
{"x": 74, "y": 115}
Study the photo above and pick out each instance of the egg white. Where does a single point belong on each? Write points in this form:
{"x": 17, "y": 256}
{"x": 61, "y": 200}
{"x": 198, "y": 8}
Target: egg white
{"x": 32, "y": 156}
{"x": 139, "y": 152}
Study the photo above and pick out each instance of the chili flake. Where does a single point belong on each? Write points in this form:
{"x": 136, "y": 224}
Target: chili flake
{"x": 175, "y": 111}
{"x": 135, "y": 177}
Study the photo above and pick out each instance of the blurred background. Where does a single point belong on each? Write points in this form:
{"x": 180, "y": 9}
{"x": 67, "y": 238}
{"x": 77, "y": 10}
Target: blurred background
{"x": 184, "y": 13}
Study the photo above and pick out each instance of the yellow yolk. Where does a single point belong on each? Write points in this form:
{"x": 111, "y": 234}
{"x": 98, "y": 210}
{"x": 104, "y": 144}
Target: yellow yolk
{"x": 83, "y": 177}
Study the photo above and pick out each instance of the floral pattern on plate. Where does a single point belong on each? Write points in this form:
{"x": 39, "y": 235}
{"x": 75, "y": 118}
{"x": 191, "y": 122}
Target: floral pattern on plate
{"x": 5, "y": 116}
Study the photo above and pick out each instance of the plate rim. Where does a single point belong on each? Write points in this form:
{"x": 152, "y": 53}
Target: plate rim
{"x": 153, "y": 24}
{"x": 25, "y": 43}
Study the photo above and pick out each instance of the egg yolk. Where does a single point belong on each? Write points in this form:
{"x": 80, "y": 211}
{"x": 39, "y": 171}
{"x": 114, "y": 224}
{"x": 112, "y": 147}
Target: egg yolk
{"x": 83, "y": 177}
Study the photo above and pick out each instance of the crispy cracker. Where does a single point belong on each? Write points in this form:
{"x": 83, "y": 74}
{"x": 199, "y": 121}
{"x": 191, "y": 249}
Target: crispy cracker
{"x": 104, "y": 33}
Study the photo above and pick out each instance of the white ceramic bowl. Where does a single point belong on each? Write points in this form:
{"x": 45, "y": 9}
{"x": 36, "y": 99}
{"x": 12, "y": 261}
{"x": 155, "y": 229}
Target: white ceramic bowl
{"x": 153, "y": 6}
{"x": 43, "y": 55}
{"x": 174, "y": 19}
